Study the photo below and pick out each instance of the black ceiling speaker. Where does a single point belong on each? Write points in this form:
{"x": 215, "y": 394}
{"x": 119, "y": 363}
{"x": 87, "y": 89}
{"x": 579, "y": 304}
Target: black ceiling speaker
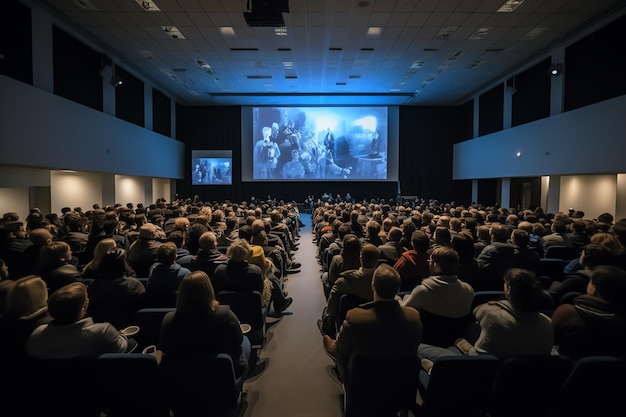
{"x": 267, "y": 13}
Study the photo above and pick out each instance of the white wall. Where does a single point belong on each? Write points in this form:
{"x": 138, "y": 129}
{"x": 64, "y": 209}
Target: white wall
{"x": 130, "y": 190}
{"x": 593, "y": 194}
{"x": 161, "y": 188}
{"x": 14, "y": 200}
{"x": 75, "y": 189}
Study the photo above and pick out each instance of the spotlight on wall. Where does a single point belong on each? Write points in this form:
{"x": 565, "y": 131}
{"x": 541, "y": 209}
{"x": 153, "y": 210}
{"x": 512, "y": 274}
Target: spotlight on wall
{"x": 556, "y": 69}
{"x": 115, "y": 80}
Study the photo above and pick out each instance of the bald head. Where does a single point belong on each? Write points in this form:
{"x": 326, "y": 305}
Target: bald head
{"x": 40, "y": 236}
{"x": 208, "y": 241}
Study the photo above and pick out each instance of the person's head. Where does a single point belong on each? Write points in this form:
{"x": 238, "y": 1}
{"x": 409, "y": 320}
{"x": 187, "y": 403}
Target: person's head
{"x": 372, "y": 228}
{"x": 166, "y": 253}
{"x": 182, "y": 224}
{"x": 594, "y": 254}
{"x": 56, "y": 253}
{"x": 522, "y": 289}
{"x": 343, "y": 230}
{"x": 102, "y": 247}
{"x": 40, "y": 236}
{"x": 69, "y": 304}
{"x": 420, "y": 241}
{"x": 369, "y": 256}
{"x": 608, "y": 240}
{"x": 28, "y": 296}
{"x": 148, "y": 231}
{"x": 609, "y": 283}
{"x": 15, "y": 229}
{"x": 256, "y": 256}
{"x": 464, "y": 246}
{"x": 559, "y": 226}
{"x": 394, "y": 234}
{"x": 351, "y": 246}
{"x": 259, "y": 238}
{"x": 239, "y": 250}
{"x": 520, "y": 238}
{"x": 195, "y": 294}
{"x": 499, "y": 233}
{"x": 444, "y": 261}
{"x": 385, "y": 282}
{"x": 442, "y": 236}
{"x": 114, "y": 264}
{"x": 208, "y": 240}
{"x": 177, "y": 237}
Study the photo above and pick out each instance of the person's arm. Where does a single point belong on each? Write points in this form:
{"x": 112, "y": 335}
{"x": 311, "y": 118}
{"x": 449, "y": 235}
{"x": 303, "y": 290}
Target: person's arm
{"x": 413, "y": 299}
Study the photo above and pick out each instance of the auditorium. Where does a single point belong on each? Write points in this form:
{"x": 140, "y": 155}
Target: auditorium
{"x": 307, "y": 115}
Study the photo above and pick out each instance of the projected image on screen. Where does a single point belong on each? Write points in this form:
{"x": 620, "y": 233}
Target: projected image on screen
{"x": 211, "y": 167}
{"x": 319, "y": 143}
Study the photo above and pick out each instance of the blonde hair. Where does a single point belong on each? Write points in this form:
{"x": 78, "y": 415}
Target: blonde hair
{"x": 102, "y": 247}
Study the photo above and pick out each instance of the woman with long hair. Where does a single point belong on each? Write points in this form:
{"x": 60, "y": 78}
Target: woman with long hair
{"x": 201, "y": 326}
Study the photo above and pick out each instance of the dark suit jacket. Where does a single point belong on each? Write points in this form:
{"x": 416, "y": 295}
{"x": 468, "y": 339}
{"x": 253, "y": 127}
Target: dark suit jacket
{"x": 237, "y": 276}
{"x": 378, "y": 329}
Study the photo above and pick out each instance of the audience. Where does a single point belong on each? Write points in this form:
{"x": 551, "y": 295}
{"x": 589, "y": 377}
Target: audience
{"x": 164, "y": 278}
{"x": 55, "y": 266}
{"x": 413, "y": 265}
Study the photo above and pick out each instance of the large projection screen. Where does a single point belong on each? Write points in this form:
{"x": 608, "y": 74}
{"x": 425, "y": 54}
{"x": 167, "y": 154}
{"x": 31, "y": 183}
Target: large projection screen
{"x": 295, "y": 143}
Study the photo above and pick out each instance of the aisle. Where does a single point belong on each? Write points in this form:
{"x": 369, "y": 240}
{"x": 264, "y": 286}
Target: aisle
{"x": 298, "y": 380}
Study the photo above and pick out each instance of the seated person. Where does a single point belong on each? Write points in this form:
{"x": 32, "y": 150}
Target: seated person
{"x": 164, "y": 278}
{"x": 272, "y": 291}
{"x": 72, "y": 335}
{"x": 381, "y": 328}
{"x": 596, "y": 323}
{"x": 356, "y": 281}
{"x": 115, "y": 296}
{"x": 26, "y": 309}
{"x": 55, "y": 266}
{"x": 201, "y": 326}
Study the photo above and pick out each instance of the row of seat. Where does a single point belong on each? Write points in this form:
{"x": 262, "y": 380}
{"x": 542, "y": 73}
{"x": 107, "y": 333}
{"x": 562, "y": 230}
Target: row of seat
{"x": 126, "y": 385}
{"x": 480, "y": 386}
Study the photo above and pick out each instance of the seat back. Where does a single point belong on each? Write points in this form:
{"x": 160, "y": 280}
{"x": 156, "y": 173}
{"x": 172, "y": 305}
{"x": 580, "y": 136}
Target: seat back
{"x": 552, "y": 268}
{"x": 202, "y": 385}
{"x": 442, "y": 331}
{"x": 149, "y": 321}
{"x": 481, "y": 297}
{"x": 248, "y": 308}
{"x": 562, "y": 252}
{"x": 131, "y": 385}
{"x": 529, "y": 385}
{"x": 347, "y": 302}
{"x": 381, "y": 387}
{"x": 457, "y": 385}
{"x": 594, "y": 387}
{"x": 62, "y": 387}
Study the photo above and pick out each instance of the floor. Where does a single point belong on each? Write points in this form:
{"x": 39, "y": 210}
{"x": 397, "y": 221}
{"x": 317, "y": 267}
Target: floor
{"x": 298, "y": 380}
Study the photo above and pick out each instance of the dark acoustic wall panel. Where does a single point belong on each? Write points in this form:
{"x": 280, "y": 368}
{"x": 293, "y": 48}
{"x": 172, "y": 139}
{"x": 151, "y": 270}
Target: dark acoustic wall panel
{"x": 161, "y": 113}
{"x": 595, "y": 68}
{"x": 16, "y": 42}
{"x": 532, "y": 100}
{"x": 491, "y": 111}
{"x": 129, "y": 98}
{"x": 76, "y": 70}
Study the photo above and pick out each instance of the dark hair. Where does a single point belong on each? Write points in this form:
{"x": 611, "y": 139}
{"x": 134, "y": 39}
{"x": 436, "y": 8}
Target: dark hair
{"x": 447, "y": 259}
{"x": 386, "y": 281}
{"x": 166, "y": 253}
{"x": 114, "y": 264}
{"x": 420, "y": 241}
{"x": 610, "y": 285}
{"x": 524, "y": 289}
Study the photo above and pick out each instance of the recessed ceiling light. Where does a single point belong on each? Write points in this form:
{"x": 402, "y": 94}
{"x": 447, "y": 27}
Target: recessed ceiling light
{"x": 374, "y": 31}
{"x": 446, "y": 32}
{"x": 509, "y": 6}
{"x": 227, "y": 30}
{"x": 85, "y": 4}
{"x": 480, "y": 33}
{"x": 281, "y": 31}
{"x": 533, "y": 33}
{"x": 148, "y": 5}
{"x": 173, "y": 32}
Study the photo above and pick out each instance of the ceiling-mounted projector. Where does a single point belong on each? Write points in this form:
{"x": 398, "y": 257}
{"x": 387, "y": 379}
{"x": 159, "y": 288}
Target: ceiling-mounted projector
{"x": 267, "y": 13}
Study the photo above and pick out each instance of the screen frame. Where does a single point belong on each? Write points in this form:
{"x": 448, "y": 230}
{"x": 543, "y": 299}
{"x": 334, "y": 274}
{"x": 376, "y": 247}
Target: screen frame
{"x": 218, "y": 154}
{"x": 248, "y": 136}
